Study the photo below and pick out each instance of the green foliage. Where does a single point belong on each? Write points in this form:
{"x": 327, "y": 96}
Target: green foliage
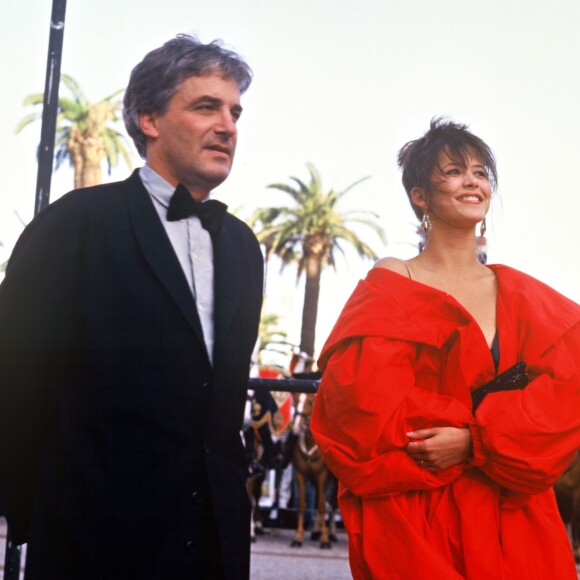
{"x": 309, "y": 233}
{"x": 80, "y": 125}
{"x": 271, "y": 336}
{"x": 314, "y": 225}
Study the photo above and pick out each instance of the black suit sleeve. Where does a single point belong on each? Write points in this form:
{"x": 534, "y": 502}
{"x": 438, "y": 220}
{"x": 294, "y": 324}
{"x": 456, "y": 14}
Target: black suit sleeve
{"x": 37, "y": 338}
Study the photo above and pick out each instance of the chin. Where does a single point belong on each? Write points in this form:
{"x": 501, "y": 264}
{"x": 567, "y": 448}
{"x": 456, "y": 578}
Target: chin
{"x": 216, "y": 178}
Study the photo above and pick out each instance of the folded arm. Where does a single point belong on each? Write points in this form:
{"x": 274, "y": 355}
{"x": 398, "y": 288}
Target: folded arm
{"x": 367, "y": 404}
{"x": 525, "y": 439}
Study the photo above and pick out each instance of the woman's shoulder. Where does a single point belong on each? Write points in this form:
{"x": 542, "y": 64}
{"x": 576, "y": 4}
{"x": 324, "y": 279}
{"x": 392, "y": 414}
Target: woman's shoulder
{"x": 519, "y": 282}
{"x": 394, "y": 265}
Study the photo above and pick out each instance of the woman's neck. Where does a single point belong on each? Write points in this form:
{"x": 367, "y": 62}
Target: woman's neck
{"x": 450, "y": 253}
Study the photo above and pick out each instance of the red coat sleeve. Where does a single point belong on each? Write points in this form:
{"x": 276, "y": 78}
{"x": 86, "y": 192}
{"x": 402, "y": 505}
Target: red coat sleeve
{"x": 525, "y": 439}
{"x": 367, "y": 402}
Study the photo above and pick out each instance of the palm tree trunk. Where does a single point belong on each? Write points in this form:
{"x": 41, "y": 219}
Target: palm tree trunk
{"x": 86, "y": 161}
{"x": 87, "y": 147}
{"x": 310, "y": 309}
{"x": 91, "y": 173}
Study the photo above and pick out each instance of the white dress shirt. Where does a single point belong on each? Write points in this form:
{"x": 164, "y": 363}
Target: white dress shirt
{"x": 193, "y": 247}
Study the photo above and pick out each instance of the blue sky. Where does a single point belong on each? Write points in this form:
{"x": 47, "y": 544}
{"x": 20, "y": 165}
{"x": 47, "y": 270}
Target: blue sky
{"x": 343, "y": 84}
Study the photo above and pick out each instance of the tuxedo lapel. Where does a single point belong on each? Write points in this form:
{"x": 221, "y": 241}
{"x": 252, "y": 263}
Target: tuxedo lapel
{"x": 228, "y": 272}
{"x": 158, "y": 252}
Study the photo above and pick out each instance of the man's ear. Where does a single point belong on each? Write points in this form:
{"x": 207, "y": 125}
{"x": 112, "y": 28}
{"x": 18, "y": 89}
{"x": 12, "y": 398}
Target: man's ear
{"x": 148, "y": 124}
{"x": 419, "y": 199}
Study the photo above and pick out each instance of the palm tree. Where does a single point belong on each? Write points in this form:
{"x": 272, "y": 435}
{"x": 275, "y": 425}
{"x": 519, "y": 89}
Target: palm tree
{"x": 86, "y": 132}
{"x": 269, "y": 332}
{"x": 309, "y": 234}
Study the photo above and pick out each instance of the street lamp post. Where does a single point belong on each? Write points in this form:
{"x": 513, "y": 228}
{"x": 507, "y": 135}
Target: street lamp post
{"x": 50, "y": 106}
{"x": 12, "y": 554}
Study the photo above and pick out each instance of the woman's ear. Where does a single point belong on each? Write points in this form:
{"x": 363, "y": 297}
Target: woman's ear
{"x": 419, "y": 199}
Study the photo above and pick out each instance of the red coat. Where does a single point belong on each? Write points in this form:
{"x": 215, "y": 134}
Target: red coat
{"x": 404, "y": 356}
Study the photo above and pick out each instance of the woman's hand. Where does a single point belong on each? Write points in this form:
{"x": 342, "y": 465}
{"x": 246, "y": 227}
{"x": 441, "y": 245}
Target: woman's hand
{"x": 439, "y": 447}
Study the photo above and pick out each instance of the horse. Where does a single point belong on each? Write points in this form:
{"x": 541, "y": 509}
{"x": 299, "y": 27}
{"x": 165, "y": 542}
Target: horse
{"x": 255, "y": 479}
{"x": 567, "y": 490}
{"x": 310, "y": 466}
{"x": 264, "y": 439}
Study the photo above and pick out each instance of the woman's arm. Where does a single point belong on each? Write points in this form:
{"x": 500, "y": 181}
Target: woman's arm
{"x": 525, "y": 439}
{"x": 367, "y": 404}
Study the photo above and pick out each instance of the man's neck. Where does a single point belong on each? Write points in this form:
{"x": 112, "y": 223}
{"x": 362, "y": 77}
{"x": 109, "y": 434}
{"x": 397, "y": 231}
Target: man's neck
{"x": 196, "y": 193}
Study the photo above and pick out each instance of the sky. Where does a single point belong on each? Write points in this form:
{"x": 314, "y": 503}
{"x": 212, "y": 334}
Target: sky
{"x": 342, "y": 84}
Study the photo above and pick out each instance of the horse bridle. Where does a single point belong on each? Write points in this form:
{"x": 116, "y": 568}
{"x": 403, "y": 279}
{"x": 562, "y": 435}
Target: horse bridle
{"x": 300, "y": 428}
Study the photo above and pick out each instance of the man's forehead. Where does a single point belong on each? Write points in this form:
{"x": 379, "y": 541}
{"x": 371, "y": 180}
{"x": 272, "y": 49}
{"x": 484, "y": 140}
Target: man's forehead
{"x": 209, "y": 75}
{"x": 212, "y": 83}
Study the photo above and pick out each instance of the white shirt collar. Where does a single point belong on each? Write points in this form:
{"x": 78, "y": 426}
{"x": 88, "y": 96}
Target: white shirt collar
{"x": 157, "y": 186}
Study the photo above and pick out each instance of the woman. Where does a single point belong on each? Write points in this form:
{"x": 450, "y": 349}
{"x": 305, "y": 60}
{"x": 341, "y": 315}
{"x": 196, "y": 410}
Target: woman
{"x": 445, "y": 450}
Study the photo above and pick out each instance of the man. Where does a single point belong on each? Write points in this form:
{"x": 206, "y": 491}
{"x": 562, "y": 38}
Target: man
{"x": 126, "y": 330}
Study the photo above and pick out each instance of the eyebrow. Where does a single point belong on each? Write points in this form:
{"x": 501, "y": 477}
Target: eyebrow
{"x": 458, "y": 164}
{"x": 215, "y": 101}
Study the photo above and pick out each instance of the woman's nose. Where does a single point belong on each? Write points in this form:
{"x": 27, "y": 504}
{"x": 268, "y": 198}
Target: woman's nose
{"x": 469, "y": 179}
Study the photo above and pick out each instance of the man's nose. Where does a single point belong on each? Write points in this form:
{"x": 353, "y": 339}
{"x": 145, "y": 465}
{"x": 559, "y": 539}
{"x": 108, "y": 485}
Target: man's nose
{"x": 226, "y": 123}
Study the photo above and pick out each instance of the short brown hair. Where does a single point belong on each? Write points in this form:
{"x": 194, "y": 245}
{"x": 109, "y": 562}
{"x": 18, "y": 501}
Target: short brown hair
{"x": 420, "y": 158}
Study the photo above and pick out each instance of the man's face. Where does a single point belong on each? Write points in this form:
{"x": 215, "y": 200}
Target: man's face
{"x": 194, "y": 140}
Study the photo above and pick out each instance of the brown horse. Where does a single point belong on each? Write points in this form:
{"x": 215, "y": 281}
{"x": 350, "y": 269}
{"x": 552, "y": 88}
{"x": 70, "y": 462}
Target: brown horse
{"x": 567, "y": 490}
{"x": 264, "y": 439}
{"x": 254, "y": 481}
{"x": 309, "y": 466}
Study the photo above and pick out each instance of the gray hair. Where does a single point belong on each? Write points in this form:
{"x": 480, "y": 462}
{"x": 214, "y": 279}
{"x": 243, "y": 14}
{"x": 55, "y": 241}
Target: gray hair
{"x": 156, "y": 78}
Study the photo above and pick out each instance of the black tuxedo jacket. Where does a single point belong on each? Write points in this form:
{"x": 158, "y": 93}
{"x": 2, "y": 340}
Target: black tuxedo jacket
{"x": 116, "y": 433}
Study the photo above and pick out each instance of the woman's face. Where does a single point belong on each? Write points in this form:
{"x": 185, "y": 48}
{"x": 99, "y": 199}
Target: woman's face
{"x": 459, "y": 194}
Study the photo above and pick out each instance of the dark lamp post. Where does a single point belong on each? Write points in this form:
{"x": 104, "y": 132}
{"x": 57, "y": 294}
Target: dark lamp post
{"x": 50, "y": 106}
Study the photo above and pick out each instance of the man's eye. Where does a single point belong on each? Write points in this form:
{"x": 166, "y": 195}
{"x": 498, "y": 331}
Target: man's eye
{"x": 205, "y": 106}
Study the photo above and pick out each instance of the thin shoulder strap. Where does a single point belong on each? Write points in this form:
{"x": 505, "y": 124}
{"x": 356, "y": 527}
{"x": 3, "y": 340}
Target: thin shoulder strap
{"x": 407, "y": 268}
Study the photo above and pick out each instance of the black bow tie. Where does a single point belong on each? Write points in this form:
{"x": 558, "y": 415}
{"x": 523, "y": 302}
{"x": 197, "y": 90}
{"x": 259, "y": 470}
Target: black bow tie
{"x": 182, "y": 205}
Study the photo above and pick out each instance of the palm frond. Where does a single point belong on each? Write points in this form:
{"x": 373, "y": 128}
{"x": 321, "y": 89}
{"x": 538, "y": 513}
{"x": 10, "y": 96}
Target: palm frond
{"x": 125, "y": 152}
{"x": 76, "y": 118}
{"x": 29, "y": 119}
{"x": 115, "y": 146}
{"x": 71, "y": 109}
{"x": 60, "y": 155}
{"x": 73, "y": 86}
{"x": 354, "y": 184}
{"x": 311, "y": 234}
{"x": 114, "y": 94}
{"x": 295, "y": 194}
{"x": 283, "y": 230}
{"x": 34, "y": 99}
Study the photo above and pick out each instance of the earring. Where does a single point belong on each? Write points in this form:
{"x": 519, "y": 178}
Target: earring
{"x": 426, "y": 223}
{"x": 482, "y": 228}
